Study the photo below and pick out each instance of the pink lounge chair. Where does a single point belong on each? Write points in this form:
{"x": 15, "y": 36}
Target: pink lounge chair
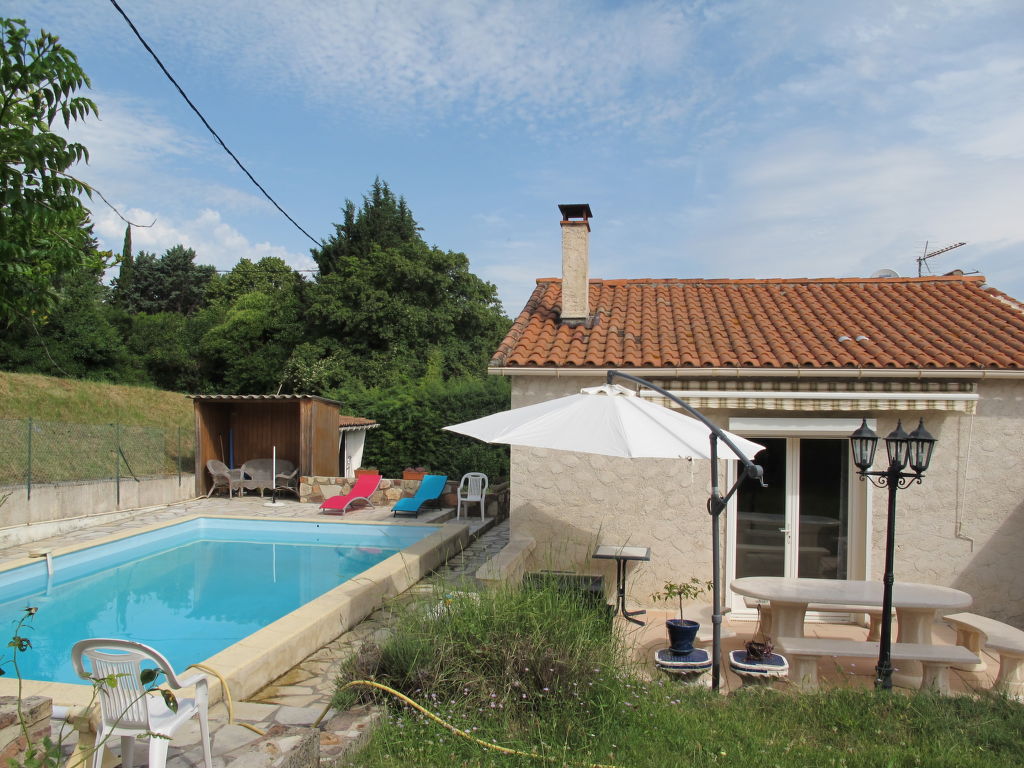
{"x": 365, "y": 487}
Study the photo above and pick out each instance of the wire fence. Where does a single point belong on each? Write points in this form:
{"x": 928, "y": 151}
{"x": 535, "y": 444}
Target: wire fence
{"x": 34, "y": 452}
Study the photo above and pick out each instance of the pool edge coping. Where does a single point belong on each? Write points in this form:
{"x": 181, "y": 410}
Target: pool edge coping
{"x": 261, "y": 657}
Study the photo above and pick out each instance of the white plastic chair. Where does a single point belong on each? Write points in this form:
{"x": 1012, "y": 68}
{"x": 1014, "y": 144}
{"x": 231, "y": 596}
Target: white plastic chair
{"x": 472, "y": 489}
{"x": 127, "y": 711}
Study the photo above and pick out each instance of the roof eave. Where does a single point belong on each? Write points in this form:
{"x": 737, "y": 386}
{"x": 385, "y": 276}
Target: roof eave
{"x": 745, "y": 373}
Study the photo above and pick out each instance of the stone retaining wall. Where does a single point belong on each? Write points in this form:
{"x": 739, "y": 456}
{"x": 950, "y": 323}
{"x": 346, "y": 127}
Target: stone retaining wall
{"x": 317, "y": 488}
{"x": 36, "y": 710}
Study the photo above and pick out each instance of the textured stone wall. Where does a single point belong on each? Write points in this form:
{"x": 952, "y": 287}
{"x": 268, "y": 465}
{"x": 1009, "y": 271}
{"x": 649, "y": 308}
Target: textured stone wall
{"x": 568, "y": 503}
{"x": 36, "y": 711}
{"x": 318, "y": 488}
{"x": 976, "y": 477}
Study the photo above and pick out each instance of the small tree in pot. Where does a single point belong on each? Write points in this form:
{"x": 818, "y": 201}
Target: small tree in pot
{"x": 681, "y": 632}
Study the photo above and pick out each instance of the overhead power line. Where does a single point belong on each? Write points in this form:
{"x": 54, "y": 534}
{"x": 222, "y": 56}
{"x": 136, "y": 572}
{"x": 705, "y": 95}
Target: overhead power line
{"x": 207, "y": 124}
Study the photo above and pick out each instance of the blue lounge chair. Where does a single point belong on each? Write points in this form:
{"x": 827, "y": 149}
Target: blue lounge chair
{"x": 431, "y": 487}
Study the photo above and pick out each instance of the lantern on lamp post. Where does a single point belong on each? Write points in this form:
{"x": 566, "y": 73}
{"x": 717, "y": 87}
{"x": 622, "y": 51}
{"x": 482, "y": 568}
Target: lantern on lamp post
{"x": 902, "y": 449}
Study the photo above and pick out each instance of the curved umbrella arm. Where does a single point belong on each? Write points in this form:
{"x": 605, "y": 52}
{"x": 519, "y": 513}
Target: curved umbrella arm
{"x": 751, "y": 469}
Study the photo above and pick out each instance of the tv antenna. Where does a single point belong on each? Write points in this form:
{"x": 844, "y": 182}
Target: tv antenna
{"x": 928, "y": 254}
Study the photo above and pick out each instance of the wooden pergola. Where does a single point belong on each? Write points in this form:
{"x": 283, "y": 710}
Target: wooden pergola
{"x": 237, "y": 428}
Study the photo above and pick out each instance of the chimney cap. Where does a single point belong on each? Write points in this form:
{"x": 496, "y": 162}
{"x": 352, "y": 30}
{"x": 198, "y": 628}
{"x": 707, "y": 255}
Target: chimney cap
{"x": 575, "y": 211}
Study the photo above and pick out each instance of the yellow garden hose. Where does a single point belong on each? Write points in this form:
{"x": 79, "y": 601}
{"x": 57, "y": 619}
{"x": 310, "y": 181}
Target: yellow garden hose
{"x": 398, "y": 695}
{"x": 450, "y": 727}
{"x": 227, "y": 699}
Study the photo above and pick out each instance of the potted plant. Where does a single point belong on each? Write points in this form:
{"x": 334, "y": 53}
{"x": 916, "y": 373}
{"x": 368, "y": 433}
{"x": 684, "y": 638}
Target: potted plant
{"x": 681, "y": 632}
{"x": 415, "y": 473}
{"x": 760, "y": 647}
{"x": 366, "y": 471}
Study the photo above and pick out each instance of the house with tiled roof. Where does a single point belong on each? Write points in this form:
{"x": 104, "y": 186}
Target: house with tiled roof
{"x": 794, "y": 364}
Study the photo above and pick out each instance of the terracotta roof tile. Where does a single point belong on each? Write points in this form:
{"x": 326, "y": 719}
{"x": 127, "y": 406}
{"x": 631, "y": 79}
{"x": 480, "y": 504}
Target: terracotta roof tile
{"x": 952, "y": 322}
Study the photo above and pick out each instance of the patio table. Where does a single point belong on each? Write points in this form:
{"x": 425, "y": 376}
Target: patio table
{"x": 622, "y": 555}
{"x": 916, "y": 606}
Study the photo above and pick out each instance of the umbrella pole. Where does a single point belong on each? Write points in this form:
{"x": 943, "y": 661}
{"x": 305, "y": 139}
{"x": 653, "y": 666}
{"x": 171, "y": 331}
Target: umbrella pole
{"x": 716, "y": 503}
{"x": 714, "y": 507}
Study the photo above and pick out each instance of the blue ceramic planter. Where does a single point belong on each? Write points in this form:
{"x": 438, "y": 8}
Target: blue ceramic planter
{"x": 681, "y": 634}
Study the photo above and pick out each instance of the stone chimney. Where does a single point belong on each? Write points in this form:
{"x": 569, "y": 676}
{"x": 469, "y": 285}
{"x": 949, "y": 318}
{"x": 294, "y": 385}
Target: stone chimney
{"x": 575, "y": 262}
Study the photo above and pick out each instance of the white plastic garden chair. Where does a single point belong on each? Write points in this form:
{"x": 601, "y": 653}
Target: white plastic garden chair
{"x": 127, "y": 711}
{"x": 472, "y": 489}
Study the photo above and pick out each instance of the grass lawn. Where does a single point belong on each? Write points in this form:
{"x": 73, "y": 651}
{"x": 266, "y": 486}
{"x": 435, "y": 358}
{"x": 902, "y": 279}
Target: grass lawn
{"x": 74, "y": 436}
{"x": 536, "y": 670}
{"x": 24, "y": 395}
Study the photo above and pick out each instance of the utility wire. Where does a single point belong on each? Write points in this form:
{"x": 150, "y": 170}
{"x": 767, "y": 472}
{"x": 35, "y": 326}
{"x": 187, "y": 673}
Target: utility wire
{"x": 208, "y": 126}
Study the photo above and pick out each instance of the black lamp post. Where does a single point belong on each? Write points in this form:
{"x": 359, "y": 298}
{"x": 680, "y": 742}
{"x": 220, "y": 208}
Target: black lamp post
{"x": 914, "y": 449}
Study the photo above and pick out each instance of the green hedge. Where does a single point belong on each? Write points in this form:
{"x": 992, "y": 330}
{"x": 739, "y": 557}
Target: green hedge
{"x": 411, "y": 417}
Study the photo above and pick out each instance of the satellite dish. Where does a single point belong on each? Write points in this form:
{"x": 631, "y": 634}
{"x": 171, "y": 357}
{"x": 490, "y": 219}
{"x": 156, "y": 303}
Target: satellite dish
{"x": 885, "y": 273}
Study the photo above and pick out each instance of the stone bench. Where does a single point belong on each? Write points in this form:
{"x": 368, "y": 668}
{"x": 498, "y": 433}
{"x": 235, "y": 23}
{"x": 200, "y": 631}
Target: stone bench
{"x": 973, "y": 632}
{"x": 874, "y": 612}
{"x": 804, "y": 652}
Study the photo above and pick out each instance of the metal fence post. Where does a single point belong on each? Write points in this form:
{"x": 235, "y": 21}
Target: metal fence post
{"x": 117, "y": 465}
{"x": 178, "y": 457}
{"x": 28, "y": 470}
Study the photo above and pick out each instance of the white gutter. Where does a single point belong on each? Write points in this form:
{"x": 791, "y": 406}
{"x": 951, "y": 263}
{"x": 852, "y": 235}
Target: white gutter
{"x": 754, "y": 373}
{"x": 691, "y": 394}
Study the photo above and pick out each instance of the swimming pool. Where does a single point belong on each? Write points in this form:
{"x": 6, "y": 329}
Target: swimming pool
{"x": 191, "y": 589}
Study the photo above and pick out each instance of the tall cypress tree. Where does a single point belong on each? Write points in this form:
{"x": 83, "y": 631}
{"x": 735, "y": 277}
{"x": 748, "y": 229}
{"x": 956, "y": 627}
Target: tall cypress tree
{"x": 124, "y": 275}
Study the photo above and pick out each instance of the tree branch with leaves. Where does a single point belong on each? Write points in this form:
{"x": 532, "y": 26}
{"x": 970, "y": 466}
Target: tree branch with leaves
{"x": 43, "y": 222}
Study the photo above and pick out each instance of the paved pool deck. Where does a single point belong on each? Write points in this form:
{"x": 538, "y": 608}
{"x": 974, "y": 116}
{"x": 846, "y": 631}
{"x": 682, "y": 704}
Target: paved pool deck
{"x": 298, "y": 698}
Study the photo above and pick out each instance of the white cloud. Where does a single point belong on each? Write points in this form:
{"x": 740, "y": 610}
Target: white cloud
{"x": 214, "y": 240}
{"x": 536, "y": 61}
{"x": 136, "y": 153}
{"x": 976, "y": 111}
{"x": 819, "y": 205}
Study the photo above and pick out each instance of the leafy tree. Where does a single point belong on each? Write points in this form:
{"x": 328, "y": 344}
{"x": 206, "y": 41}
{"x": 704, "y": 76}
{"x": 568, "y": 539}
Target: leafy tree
{"x": 270, "y": 275}
{"x": 169, "y": 283}
{"x": 256, "y": 311}
{"x": 166, "y": 346}
{"x": 43, "y": 222}
{"x": 411, "y": 416}
{"x": 390, "y": 300}
{"x": 384, "y": 221}
{"x": 79, "y": 338}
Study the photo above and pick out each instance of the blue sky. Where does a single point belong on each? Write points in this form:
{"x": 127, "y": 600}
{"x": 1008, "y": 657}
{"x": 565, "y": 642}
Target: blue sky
{"x": 711, "y": 139}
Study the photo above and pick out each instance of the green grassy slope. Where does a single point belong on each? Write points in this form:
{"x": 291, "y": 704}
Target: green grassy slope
{"x": 88, "y": 402}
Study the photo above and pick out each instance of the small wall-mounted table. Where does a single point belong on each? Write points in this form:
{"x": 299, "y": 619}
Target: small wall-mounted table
{"x": 622, "y": 555}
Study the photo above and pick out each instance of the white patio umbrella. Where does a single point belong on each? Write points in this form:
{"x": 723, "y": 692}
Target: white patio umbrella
{"x": 609, "y": 420}
{"x": 612, "y": 420}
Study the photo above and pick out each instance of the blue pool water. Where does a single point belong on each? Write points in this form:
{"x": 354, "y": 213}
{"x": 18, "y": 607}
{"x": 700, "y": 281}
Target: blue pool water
{"x": 189, "y": 590}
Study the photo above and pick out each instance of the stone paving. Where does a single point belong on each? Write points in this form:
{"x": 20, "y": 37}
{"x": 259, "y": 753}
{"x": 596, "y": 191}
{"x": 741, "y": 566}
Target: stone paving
{"x": 288, "y": 708}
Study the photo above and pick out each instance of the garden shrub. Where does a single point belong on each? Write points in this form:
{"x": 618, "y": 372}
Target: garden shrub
{"x": 411, "y": 416}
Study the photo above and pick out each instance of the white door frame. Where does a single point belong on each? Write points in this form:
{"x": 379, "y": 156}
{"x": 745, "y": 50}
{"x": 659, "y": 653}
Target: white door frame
{"x": 859, "y": 510}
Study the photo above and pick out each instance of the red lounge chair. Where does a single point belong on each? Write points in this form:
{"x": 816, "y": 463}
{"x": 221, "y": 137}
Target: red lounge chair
{"x": 365, "y": 487}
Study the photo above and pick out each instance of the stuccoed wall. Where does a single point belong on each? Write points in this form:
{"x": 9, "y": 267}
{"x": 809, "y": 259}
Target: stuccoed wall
{"x": 568, "y": 503}
{"x": 53, "y": 502}
{"x": 977, "y": 476}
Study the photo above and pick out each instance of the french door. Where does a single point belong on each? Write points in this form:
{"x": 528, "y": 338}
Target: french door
{"x": 811, "y": 519}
